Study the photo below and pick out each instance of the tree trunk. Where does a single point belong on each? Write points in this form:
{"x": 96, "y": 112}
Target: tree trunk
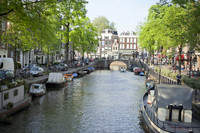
{"x": 179, "y": 61}
{"x": 15, "y": 62}
{"x": 67, "y": 44}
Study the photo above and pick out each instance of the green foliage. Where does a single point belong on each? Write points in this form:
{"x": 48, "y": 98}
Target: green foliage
{"x": 192, "y": 82}
{"x": 83, "y": 36}
{"x": 9, "y": 105}
{"x": 101, "y": 23}
{"x": 171, "y": 26}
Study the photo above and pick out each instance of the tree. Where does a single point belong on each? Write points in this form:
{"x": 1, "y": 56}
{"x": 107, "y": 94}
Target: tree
{"x": 101, "y": 23}
{"x": 83, "y": 36}
{"x": 70, "y": 11}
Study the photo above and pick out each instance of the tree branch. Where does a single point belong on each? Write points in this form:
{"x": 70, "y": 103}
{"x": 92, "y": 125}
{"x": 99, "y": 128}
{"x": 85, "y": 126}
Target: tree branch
{"x": 5, "y": 13}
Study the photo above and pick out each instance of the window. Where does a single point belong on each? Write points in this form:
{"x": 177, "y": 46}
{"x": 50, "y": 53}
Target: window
{"x": 131, "y": 40}
{"x": 127, "y": 40}
{"x": 127, "y": 46}
{"x": 116, "y": 48}
{"x": 131, "y": 46}
{"x": 15, "y": 92}
{"x": 123, "y": 46}
{"x": 134, "y": 46}
{"x": 134, "y": 40}
{"x": 6, "y": 96}
{"x": 106, "y": 42}
{"x": 102, "y": 42}
{"x": 120, "y": 39}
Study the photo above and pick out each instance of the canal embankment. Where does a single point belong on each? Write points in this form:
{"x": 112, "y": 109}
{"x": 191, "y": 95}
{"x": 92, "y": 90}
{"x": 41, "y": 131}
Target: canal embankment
{"x": 43, "y": 79}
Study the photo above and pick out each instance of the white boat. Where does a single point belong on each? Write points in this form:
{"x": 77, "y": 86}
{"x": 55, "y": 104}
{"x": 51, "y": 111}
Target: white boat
{"x": 37, "y": 89}
{"x": 168, "y": 109}
{"x": 56, "y": 78}
{"x": 122, "y": 69}
{"x": 12, "y": 100}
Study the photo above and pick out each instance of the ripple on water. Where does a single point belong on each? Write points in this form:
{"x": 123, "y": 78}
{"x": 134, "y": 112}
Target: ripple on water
{"x": 103, "y": 101}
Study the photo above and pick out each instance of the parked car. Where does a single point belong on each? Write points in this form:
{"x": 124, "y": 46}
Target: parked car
{"x": 29, "y": 66}
{"x": 6, "y": 74}
{"x": 62, "y": 67}
{"x": 37, "y": 71}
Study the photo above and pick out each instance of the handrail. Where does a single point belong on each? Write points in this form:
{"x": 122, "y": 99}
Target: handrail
{"x": 167, "y": 126}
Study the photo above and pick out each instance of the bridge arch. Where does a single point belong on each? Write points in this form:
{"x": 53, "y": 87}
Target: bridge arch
{"x": 106, "y": 63}
{"x": 117, "y": 64}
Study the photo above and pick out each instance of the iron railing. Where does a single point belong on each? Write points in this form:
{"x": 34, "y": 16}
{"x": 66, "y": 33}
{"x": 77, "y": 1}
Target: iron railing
{"x": 179, "y": 127}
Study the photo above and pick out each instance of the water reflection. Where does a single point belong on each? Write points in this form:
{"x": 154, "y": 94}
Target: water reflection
{"x": 103, "y": 101}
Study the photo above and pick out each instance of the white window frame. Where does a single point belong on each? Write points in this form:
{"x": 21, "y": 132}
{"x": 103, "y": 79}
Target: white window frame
{"x": 127, "y": 40}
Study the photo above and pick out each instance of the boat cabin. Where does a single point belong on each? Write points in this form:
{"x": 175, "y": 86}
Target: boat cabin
{"x": 56, "y": 78}
{"x": 13, "y": 95}
{"x": 173, "y": 103}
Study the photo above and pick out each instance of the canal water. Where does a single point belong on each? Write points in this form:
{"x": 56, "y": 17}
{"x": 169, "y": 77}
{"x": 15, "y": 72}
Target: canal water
{"x": 101, "y": 102}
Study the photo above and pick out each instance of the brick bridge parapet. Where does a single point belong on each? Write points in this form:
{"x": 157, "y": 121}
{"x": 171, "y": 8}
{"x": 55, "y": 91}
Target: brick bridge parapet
{"x": 106, "y": 63}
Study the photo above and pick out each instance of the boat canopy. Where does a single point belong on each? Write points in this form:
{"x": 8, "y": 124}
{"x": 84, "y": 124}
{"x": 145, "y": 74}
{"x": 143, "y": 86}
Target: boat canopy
{"x": 55, "y": 78}
{"x": 173, "y": 94}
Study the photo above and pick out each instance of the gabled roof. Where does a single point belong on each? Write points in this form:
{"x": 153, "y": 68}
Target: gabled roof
{"x": 173, "y": 94}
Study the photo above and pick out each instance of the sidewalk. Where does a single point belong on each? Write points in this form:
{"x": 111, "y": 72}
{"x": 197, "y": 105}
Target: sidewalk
{"x": 42, "y": 79}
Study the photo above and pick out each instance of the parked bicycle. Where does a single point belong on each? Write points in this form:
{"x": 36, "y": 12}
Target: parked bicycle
{"x": 25, "y": 75}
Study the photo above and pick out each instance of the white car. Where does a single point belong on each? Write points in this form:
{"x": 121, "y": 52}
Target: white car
{"x": 37, "y": 71}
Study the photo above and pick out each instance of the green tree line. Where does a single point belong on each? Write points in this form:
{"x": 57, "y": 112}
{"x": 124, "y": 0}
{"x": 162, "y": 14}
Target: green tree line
{"x": 171, "y": 24}
{"x": 44, "y": 24}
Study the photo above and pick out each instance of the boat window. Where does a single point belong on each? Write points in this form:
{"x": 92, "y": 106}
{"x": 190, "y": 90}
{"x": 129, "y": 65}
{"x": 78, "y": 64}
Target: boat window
{"x": 15, "y": 92}
{"x": 6, "y": 96}
{"x": 35, "y": 87}
{"x": 1, "y": 65}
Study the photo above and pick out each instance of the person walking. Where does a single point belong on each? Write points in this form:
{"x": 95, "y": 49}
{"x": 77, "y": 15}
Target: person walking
{"x": 178, "y": 78}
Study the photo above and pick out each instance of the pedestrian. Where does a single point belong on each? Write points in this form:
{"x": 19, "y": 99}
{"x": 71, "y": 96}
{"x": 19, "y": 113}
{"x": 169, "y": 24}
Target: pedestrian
{"x": 178, "y": 78}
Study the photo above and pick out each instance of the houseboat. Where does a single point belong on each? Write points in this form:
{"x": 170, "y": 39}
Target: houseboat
{"x": 37, "y": 89}
{"x": 56, "y": 79}
{"x": 167, "y": 109}
{"x": 12, "y": 100}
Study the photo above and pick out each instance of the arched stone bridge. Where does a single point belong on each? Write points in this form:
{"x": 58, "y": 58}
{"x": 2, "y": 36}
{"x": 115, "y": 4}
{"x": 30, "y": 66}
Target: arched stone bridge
{"x": 106, "y": 63}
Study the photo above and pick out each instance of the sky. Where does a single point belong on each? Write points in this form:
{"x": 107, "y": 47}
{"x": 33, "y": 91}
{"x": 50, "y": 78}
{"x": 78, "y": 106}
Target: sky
{"x": 126, "y": 14}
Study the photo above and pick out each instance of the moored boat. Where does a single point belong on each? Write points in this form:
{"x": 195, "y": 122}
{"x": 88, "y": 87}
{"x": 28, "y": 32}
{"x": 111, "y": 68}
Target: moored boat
{"x": 37, "y": 89}
{"x": 91, "y": 68}
{"x": 168, "y": 109}
{"x": 56, "y": 79}
{"x": 13, "y": 100}
{"x": 69, "y": 77}
{"x": 141, "y": 74}
{"x": 137, "y": 70}
{"x": 122, "y": 69}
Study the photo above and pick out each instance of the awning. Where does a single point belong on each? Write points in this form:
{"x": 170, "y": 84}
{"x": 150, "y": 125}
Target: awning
{"x": 182, "y": 57}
